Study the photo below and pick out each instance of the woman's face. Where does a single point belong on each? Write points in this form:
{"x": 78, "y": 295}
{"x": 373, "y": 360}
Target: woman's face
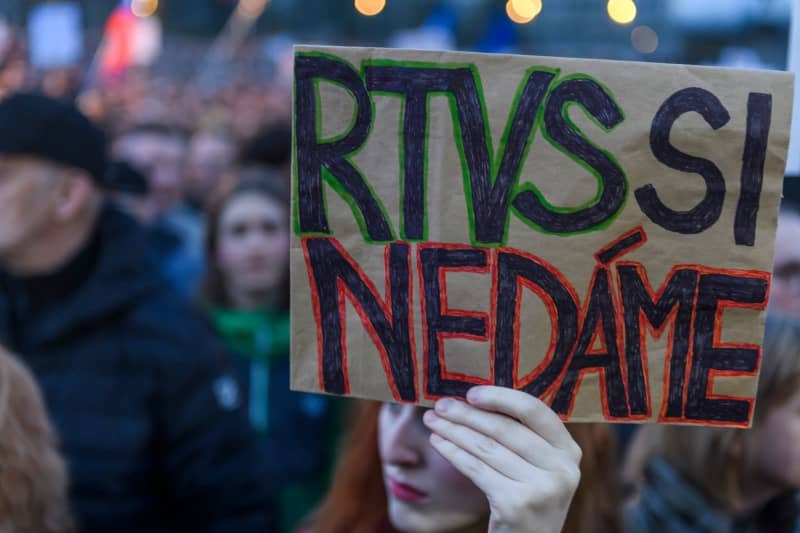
{"x": 253, "y": 250}
{"x": 775, "y": 449}
{"x": 426, "y": 494}
{"x": 785, "y": 292}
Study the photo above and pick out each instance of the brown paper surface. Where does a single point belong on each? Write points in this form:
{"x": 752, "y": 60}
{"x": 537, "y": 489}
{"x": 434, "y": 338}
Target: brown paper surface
{"x": 693, "y": 135}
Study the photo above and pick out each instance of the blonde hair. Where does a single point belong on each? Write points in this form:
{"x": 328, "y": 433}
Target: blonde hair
{"x": 713, "y": 459}
{"x": 33, "y": 476}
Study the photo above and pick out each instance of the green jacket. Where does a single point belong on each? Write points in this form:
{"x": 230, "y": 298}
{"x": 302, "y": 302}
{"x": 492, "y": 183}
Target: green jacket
{"x": 299, "y": 431}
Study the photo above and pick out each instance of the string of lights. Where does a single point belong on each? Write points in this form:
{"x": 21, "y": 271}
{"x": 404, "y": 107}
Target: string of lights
{"x": 623, "y": 12}
{"x": 520, "y": 11}
{"x": 643, "y": 38}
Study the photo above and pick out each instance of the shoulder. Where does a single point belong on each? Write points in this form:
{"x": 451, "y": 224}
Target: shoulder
{"x": 669, "y": 499}
{"x": 172, "y": 333}
{"x": 175, "y": 344}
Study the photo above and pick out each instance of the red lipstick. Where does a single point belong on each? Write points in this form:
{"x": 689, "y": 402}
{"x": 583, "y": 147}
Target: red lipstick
{"x": 404, "y": 492}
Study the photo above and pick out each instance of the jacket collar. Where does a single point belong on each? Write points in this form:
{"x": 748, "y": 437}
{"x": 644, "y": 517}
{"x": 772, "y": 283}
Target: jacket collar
{"x": 682, "y": 499}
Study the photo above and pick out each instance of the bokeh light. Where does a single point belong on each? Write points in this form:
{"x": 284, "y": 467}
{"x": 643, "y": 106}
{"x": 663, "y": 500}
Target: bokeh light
{"x": 370, "y": 8}
{"x": 621, "y": 11}
{"x": 144, "y": 8}
{"x": 526, "y": 9}
{"x": 523, "y": 11}
{"x": 644, "y": 39}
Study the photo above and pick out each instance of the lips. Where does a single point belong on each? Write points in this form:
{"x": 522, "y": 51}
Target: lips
{"x": 256, "y": 263}
{"x": 405, "y": 492}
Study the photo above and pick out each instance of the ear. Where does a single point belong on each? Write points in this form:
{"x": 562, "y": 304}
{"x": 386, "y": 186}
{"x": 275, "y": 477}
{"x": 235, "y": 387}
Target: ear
{"x": 76, "y": 192}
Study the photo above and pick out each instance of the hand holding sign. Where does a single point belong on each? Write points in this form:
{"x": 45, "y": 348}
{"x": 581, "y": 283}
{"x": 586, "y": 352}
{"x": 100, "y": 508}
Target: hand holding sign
{"x": 651, "y": 189}
{"x": 516, "y": 450}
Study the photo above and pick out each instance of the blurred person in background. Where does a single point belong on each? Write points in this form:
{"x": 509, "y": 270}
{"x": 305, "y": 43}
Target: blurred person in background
{"x": 33, "y": 476}
{"x": 158, "y": 152}
{"x": 139, "y": 387}
{"x": 271, "y": 147}
{"x": 14, "y": 70}
{"x": 718, "y": 480}
{"x": 785, "y": 290}
{"x": 246, "y": 291}
{"x": 61, "y": 83}
{"x": 502, "y": 461}
{"x": 210, "y": 156}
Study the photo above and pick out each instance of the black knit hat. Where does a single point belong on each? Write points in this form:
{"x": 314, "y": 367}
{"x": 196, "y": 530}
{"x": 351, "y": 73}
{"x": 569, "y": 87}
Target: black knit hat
{"x": 35, "y": 125}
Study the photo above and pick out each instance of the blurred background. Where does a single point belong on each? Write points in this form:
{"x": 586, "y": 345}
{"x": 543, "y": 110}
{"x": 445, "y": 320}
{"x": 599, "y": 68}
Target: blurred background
{"x": 80, "y": 43}
{"x": 213, "y": 64}
{"x": 754, "y": 32}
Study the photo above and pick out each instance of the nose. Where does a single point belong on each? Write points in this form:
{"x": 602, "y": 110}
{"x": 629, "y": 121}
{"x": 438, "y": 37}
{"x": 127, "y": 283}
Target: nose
{"x": 404, "y": 440}
{"x": 166, "y": 177}
{"x": 256, "y": 241}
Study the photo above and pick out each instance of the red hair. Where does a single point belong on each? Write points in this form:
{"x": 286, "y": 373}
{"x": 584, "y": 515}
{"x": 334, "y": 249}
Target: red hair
{"x": 356, "y": 501}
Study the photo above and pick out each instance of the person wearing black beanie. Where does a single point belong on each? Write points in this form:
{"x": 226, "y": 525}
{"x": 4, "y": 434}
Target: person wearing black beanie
{"x": 141, "y": 392}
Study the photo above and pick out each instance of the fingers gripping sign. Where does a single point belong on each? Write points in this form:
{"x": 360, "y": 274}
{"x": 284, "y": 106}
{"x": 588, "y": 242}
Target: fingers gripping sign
{"x": 516, "y": 450}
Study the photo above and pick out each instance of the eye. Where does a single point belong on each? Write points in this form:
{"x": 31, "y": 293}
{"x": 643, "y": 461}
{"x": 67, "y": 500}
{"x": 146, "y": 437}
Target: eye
{"x": 269, "y": 227}
{"x": 419, "y": 412}
{"x": 787, "y": 270}
{"x": 238, "y": 230}
{"x": 393, "y": 408}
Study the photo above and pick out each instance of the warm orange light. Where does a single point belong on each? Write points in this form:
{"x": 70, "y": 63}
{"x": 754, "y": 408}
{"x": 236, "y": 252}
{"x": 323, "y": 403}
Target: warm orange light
{"x": 523, "y": 11}
{"x": 144, "y": 8}
{"x": 370, "y": 8}
{"x": 621, "y": 11}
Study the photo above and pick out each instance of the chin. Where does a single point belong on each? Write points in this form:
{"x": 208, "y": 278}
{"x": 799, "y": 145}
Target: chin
{"x": 6, "y": 248}
{"x": 407, "y": 518}
{"x": 407, "y": 521}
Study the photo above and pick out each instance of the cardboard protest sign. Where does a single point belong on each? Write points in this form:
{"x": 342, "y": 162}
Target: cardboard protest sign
{"x": 596, "y": 233}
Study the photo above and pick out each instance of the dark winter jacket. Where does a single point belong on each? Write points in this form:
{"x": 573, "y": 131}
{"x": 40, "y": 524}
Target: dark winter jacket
{"x": 299, "y": 428}
{"x": 669, "y": 503}
{"x": 141, "y": 391}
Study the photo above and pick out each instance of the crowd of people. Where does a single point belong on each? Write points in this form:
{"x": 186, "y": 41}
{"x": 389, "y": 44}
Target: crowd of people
{"x": 143, "y": 273}
{"x": 144, "y": 304}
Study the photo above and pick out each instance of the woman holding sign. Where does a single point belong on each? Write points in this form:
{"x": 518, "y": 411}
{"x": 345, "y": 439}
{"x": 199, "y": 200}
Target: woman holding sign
{"x": 501, "y": 461}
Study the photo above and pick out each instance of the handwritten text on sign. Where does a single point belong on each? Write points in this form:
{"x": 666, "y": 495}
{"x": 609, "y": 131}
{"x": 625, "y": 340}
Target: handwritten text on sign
{"x": 651, "y": 188}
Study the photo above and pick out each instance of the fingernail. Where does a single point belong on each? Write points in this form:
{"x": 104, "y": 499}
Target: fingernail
{"x": 436, "y": 439}
{"x": 474, "y": 394}
{"x": 442, "y": 406}
{"x": 430, "y": 417}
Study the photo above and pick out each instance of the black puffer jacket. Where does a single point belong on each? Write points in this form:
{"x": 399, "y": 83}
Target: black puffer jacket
{"x": 151, "y": 420}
